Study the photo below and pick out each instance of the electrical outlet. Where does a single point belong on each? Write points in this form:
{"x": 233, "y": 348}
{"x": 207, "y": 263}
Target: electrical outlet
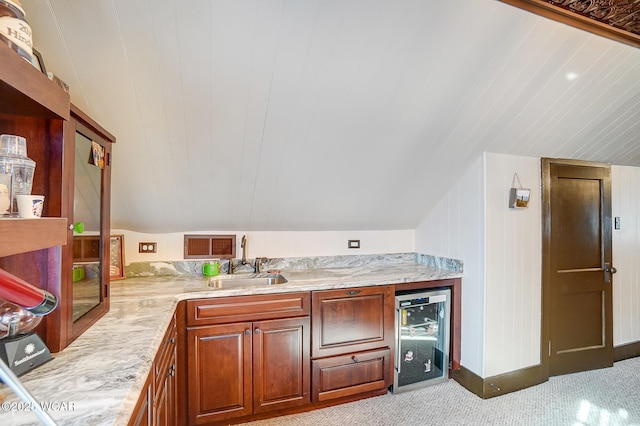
{"x": 147, "y": 247}
{"x": 354, "y": 244}
{"x": 616, "y": 223}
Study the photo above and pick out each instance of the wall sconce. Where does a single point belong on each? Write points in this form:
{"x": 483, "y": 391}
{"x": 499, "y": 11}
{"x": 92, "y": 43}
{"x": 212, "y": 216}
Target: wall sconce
{"x": 518, "y": 197}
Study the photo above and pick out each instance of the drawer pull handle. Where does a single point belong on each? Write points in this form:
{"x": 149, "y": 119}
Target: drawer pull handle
{"x": 172, "y": 340}
{"x": 257, "y": 331}
{"x": 354, "y": 358}
{"x": 247, "y": 332}
{"x": 352, "y": 292}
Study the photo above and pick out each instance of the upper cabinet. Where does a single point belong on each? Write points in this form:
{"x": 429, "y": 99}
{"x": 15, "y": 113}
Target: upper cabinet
{"x": 34, "y": 107}
{"x": 41, "y": 251}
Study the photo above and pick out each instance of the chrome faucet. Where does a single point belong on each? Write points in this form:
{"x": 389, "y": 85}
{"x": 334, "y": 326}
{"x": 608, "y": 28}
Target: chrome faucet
{"x": 243, "y": 246}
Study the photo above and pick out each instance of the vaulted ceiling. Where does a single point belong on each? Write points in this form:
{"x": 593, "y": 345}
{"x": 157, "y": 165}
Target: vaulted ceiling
{"x": 328, "y": 115}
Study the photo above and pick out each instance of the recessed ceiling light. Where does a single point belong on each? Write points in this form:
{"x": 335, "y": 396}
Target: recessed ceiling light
{"x": 572, "y": 76}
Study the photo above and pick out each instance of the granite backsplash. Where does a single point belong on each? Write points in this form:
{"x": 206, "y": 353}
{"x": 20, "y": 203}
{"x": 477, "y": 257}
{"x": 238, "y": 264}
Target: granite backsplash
{"x": 194, "y": 267}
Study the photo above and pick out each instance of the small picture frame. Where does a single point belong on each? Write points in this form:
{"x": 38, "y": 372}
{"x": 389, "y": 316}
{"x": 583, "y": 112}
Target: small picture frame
{"x": 38, "y": 62}
{"x": 116, "y": 257}
{"x": 519, "y": 198}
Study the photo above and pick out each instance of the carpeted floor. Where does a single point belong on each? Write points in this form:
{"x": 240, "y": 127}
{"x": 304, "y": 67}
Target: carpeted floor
{"x": 607, "y": 397}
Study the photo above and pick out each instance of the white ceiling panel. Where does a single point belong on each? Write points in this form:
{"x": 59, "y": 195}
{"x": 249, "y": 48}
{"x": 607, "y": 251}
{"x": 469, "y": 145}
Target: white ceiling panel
{"x": 327, "y": 115}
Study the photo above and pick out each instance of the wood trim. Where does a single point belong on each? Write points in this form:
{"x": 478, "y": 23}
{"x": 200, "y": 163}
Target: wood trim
{"x": 576, "y": 20}
{"x": 469, "y": 380}
{"x": 626, "y": 351}
{"x": 501, "y": 384}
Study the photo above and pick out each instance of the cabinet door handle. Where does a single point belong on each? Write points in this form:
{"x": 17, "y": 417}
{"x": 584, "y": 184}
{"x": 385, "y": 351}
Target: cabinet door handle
{"x": 354, "y": 358}
{"x": 257, "y": 331}
{"x": 247, "y": 331}
{"x": 172, "y": 340}
{"x": 172, "y": 371}
{"x": 352, "y": 292}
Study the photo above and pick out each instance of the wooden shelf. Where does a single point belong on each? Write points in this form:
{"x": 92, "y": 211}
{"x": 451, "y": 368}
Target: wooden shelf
{"x": 24, "y": 235}
{"x": 26, "y": 91}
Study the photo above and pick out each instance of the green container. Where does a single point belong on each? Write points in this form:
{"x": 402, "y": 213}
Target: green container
{"x": 78, "y": 273}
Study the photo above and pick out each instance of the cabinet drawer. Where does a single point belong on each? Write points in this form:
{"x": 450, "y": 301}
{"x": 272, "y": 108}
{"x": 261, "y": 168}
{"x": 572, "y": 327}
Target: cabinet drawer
{"x": 166, "y": 355}
{"x": 352, "y": 374}
{"x": 247, "y": 308}
{"x": 352, "y": 320}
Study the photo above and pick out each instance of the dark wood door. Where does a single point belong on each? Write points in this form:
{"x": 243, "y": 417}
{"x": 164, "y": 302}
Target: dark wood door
{"x": 577, "y": 295}
{"x": 219, "y": 372}
{"x": 281, "y": 364}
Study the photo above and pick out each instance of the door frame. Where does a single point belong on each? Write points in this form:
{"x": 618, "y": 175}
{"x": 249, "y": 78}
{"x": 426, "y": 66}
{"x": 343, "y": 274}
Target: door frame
{"x": 545, "y": 341}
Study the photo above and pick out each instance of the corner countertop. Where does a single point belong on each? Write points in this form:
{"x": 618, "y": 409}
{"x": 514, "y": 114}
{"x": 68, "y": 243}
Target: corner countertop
{"x": 97, "y": 379}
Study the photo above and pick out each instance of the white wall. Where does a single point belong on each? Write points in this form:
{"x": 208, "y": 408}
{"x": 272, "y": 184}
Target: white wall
{"x": 625, "y": 203}
{"x": 501, "y": 251}
{"x": 276, "y": 244}
{"x": 513, "y": 266}
{"x": 455, "y": 228}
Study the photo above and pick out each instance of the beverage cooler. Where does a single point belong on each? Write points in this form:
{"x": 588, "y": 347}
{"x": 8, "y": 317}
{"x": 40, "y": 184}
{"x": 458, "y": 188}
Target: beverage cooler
{"x": 422, "y": 323}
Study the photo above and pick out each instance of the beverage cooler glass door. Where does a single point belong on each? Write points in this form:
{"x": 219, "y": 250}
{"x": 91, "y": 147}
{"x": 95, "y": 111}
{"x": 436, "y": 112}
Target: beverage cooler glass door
{"x": 422, "y": 339}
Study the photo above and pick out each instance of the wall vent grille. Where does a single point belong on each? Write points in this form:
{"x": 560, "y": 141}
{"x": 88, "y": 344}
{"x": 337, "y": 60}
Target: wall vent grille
{"x": 209, "y": 246}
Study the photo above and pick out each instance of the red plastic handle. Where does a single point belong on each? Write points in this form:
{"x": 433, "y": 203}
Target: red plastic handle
{"x": 18, "y": 291}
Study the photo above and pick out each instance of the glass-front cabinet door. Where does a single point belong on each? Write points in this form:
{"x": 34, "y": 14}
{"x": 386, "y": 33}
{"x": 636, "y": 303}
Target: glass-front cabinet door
{"x": 87, "y": 295}
{"x": 87, "y": 277}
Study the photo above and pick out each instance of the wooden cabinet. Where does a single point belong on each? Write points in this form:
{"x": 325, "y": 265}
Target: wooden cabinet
{"x": 33, "y": 107}
{"x": 252, "y": 358}
{"x": 165, "y": 387}
{"x": 158, "y": 401}
{"x": 40, "y": 252}
{"x": 353, "y": 333}
{"x": 143, "y": 412}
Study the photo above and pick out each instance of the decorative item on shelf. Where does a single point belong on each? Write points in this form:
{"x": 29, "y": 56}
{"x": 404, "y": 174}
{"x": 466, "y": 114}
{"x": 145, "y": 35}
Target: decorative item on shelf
{"x": 14, "y": 29}
{"x": 96, "y": 156}
{"x": 518, "y": 197}
{"x": 14, "y": 161}
{"x": 38, "y": 62}
{"x": 30, "y": 206}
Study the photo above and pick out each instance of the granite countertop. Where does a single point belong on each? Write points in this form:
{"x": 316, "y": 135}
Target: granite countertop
{"x": 97, "y": 379}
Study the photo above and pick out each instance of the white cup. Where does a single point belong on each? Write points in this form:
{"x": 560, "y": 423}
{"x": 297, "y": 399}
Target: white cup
{"x": 30, "y": 206}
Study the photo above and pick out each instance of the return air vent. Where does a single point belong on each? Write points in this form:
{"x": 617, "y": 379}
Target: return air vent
{"x": 209, "y": 246}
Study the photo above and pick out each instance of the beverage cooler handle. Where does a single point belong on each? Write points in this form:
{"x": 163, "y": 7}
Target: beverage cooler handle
{"x": 398, "y": 348}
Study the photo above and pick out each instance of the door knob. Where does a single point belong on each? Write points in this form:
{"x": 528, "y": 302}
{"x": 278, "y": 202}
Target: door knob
{"x": 608, "y": 271}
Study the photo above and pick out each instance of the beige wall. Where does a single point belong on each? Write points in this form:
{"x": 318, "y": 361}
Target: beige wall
{"x": 625, "y": 203}
{"x": 276, "y": 244}
{"x": 501, "y": 251}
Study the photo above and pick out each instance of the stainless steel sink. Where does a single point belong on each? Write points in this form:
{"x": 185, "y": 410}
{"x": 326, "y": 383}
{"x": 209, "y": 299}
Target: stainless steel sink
{"x": 250, "y": 280}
